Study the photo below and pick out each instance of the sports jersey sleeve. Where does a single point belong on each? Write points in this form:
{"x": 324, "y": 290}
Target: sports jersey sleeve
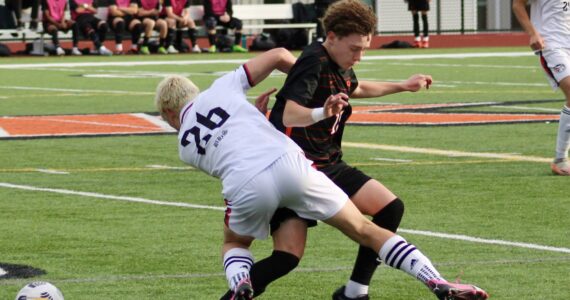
{"x": 302, "y": 81}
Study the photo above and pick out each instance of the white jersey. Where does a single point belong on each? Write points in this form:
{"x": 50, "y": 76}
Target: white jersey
{"x": 224, "y": 135}
{"x": 552, "y": 20}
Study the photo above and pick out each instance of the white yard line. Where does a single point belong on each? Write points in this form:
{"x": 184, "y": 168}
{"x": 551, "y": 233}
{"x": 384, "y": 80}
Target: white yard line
{"x": 50, "y": 171}
{"x": 219, "y": 208}
{"x": 528, "y": 108}
{"x": 452, "y": 153}
{"x": 28, "y": 88}
{"x": 464, "y": 66}
{"x": 241, "y": 61}
{"x": 3, "y": 133}
{"x": 109, "y": 197}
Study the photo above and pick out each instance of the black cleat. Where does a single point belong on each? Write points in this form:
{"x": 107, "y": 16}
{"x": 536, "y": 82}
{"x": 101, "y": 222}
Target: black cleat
{"x": 339, "y": 295}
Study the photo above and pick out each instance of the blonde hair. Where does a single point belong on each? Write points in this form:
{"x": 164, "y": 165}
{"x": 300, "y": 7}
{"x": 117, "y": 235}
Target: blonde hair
{"x": 173, "y": 92}
{"x": 346, "y": 17}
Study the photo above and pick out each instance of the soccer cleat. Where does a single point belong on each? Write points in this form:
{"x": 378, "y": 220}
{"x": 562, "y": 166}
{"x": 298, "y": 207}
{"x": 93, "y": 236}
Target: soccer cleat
{"x": 560, "y": 167}
{"x": 339, "y": 295}
{"x": 243, "y": 290}
{"x": 161, "y": 50}
{"x": 75, "y": 51}
{"x": 171, "y": 50}
{"x": 417, "y": 44}
{"x": 212, "y": 49}
{"x": 425, "y": 44}
{"x": 238, "y": 48}
{"x": 144, "y": 50}
{"x": 196, "y": 49}
{"x": 456, "y": 291}
{"x": 104, "y": 51}
{"x": 59, "y": 51}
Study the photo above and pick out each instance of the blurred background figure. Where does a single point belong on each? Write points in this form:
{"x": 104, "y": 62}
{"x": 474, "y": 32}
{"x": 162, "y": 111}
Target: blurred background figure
{"x": 122, "y": 15}
{"x": 320, "y": 9}
{"x": 177, "y": 14}
{"x": 148, "y": 13}
{"x": 16, "y": 6}
{"x": 220, "y": 12}
{"x": 417, "y": 7}
{"x": 54, "y": 21}
{"x": 93, "y": 28}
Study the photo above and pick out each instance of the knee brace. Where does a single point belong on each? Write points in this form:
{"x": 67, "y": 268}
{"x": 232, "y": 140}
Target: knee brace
{"x": 390, "y": 216}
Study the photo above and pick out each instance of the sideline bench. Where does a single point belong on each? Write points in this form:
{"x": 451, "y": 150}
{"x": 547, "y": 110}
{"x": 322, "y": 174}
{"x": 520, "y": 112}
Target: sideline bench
{"x": 252, "y": 15}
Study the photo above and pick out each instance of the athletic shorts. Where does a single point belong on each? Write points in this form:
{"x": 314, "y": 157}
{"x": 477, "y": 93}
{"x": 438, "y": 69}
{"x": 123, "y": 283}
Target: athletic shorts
{"x": 85, "y": 22}
{"x": 347, "y": 178}
{"x": 289, "y": 182}
{"x": 418, "y": 5}
{"x": 556, "y": 65}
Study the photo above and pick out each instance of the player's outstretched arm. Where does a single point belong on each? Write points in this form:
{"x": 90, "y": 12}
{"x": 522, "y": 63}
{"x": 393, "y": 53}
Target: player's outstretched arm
{"x": 368, "y": 89}
{"x": 262, "y": 65}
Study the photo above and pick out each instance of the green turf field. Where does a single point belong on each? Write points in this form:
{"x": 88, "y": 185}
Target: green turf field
{"x": 500, "y": 221}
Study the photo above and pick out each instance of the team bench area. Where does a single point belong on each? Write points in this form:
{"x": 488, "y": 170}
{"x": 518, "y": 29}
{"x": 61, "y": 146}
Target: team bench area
{"x": 254, "y": 17}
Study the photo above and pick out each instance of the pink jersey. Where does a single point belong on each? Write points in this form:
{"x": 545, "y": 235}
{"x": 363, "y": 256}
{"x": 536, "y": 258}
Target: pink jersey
{"x": 123, "y": 3}
{"x": 149, "y": 4}
{"x": 79, "y": 3}
{"x": 57, "y": 9}
{"x": 219, "y": 7}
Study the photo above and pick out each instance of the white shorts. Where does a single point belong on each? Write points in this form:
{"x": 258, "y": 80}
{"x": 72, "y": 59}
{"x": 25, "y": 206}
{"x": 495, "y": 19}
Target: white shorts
{"x": 556, "y": 65}
{"x": 289, "y": 182}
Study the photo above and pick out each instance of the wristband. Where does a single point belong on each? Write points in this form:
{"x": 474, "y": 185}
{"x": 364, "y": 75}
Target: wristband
{"x": 318, "y": 114}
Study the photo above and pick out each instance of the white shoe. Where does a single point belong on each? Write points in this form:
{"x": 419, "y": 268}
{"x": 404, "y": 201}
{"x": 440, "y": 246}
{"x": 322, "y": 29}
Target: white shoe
{"x": 59, "y": 51}
{"x": 171, "y": 50}
{"x": 75, "y": 51}
{"x": 196, "y": 49}
{"x": 105, "y": 51}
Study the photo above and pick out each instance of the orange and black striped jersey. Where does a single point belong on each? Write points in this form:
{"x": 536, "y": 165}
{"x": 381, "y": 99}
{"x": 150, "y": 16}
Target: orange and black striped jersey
{"x": 313, "y": 78}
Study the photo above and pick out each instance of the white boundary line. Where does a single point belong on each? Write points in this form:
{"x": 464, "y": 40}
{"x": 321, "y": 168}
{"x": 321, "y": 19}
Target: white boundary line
{"x": 241, "y": 61}
{"x": 187, "y": 205}
{"x": 452, "y": 153}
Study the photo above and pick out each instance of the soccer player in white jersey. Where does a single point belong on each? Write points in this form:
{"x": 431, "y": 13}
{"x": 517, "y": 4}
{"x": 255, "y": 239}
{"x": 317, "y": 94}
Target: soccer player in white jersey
{"x": 549, "y": 30}
{"x": 261, "y": 169}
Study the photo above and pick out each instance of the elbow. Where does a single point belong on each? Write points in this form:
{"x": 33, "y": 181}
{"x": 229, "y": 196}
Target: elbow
{"x": 287, "y": 122}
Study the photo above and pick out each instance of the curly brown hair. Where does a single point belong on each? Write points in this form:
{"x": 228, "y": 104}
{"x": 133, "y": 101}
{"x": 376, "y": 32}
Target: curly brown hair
{"x": 346, "y": 17}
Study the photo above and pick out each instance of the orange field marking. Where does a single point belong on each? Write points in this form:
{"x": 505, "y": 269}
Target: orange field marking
{"x": 77, "y": 125}
{"x": 139, "y": 123}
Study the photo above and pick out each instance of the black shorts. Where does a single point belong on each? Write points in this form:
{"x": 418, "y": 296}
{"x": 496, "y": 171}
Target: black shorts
{"x": 211, "y": 23}
{"x": 85, "y": 22}
{"x": 418, "y": 5}
{"x": 126, "y": 18}
{"x": 349, "y": 179}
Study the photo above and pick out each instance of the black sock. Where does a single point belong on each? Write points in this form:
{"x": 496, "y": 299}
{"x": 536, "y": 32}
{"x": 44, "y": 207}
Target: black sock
{"x": 416, "y": 19}
{"x": 367, "y": 260}
{"x": 212, "y": 39}
{"x": 119, "y": 29}
{"x": 425, "y": 25}
{"x": 267, "y": 270}
{"x": 192, "y": 35}
{"x": 136, "y": 33}
{"x": 237, "y": 40}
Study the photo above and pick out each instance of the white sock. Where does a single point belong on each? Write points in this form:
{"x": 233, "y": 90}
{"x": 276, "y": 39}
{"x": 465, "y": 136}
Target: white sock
{"x": 354, "y": 289}
{"x": 398, "y": 254}
{"x": 426, "y": 38}
{"x": 563, "y": 138}
{"x": 237, "y": 263}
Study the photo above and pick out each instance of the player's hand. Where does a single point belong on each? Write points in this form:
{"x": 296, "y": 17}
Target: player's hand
{"x": 536, "y": 42}
{"x": 417, "y": 81}
{"x": 263, "y": 99}
{"x": 335, "y": 104}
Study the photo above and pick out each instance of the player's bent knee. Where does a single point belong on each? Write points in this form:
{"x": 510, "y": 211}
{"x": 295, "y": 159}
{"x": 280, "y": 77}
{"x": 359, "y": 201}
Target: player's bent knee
{"x": 390, "y": 216}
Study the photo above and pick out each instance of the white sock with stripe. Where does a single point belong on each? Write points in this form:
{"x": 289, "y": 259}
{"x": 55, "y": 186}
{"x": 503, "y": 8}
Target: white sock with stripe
{"x": 563, "y": 138}
{"x": 398, "y": 254}
{"x": 237, "y": 264}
